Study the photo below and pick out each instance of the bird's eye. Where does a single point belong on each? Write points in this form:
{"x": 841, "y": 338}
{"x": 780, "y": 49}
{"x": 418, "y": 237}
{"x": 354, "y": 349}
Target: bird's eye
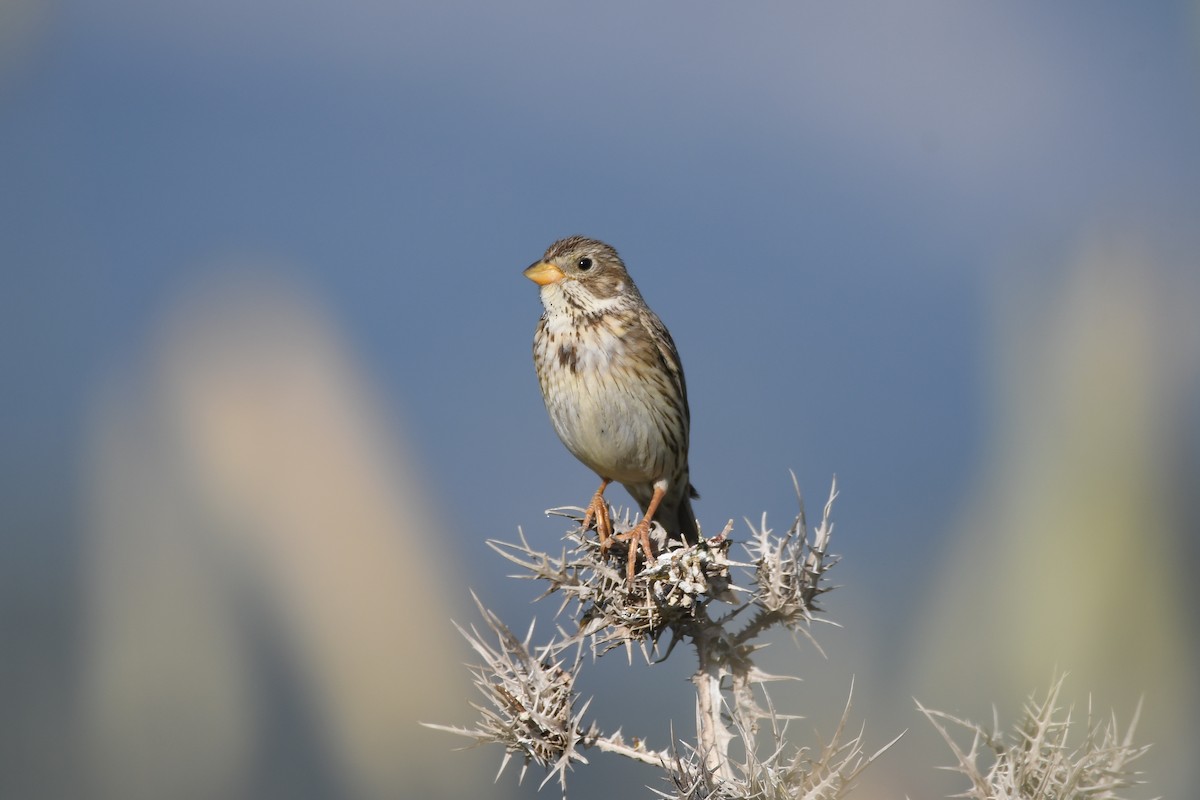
{"x": 585, "y": 264}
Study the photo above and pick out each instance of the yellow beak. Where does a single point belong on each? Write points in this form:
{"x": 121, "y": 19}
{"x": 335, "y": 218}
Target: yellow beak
{"x": 543, "y": 273}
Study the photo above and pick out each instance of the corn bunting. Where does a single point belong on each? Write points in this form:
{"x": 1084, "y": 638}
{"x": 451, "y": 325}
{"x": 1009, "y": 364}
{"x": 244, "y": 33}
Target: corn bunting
{"x": 614, "y": 388}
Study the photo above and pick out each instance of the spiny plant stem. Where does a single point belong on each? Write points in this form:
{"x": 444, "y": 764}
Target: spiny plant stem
{"x": 712, "y": 736}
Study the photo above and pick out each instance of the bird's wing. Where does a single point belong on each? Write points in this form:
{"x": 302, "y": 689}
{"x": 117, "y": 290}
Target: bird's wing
{"x": 670, "y": 356}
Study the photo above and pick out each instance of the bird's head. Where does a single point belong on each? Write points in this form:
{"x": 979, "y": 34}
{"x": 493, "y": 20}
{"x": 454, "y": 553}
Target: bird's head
{"x": 578, "y": 266}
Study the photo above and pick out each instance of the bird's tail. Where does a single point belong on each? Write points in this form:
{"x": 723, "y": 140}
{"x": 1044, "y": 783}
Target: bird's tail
{"x": 686, "y": 522}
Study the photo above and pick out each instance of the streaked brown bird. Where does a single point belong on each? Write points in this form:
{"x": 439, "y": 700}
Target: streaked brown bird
{"x": 614, "y": 388}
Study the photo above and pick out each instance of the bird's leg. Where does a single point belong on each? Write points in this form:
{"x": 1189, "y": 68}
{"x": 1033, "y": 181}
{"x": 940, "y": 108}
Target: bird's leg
{"x": 597, "y": 511}
{"x": 639, "y": 536}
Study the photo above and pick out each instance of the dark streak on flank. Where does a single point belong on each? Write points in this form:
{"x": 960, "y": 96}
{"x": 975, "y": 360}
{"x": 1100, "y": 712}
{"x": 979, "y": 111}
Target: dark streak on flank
{"x": 568, "y": 357}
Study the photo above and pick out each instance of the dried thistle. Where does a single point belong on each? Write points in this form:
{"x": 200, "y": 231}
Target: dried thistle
{"x": 1038, "y": 760}
{"x": 783, "y": 773}
{"x": 530, "y": 698}
{"x": 669, "y": 594}
{"x": 531, "y": 701}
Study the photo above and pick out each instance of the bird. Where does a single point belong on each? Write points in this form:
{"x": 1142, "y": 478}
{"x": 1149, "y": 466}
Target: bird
{"x": 613, "y": 386}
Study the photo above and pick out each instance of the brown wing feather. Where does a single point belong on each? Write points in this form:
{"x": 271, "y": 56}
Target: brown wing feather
{"x": 670, "y": 356}
{"x": 674, "y": 365}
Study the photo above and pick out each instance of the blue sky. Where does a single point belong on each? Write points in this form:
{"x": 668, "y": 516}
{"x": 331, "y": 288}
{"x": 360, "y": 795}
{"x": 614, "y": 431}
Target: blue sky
{"x": 811, "y": 196}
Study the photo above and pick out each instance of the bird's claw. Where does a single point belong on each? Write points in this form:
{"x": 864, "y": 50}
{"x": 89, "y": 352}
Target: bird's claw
{"x": 597, "y": 511}
{"x": 638, "y": 536}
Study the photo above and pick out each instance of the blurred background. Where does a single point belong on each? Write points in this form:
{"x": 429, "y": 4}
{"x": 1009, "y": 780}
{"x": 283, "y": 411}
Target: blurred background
{"x": 268, "y": 386}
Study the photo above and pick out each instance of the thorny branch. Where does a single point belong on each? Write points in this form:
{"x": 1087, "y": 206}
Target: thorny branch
{"x": 532, "y": 709}
{"x": 534, "y": 712}
{"x": 1039, "y": 759}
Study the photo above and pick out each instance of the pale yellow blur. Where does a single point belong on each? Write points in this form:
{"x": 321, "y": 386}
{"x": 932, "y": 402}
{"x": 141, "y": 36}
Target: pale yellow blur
{"x": 255, "y": 524}
{"x": 1066, "y": 556}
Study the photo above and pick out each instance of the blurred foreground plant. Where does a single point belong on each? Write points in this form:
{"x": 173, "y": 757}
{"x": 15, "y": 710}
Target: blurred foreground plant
{"x": 1038, "y": 760}
{"x": 533, "y": 710}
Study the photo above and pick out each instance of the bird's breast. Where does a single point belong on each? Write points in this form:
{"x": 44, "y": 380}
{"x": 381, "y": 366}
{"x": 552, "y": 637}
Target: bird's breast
{"x": 597, "y": 400}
